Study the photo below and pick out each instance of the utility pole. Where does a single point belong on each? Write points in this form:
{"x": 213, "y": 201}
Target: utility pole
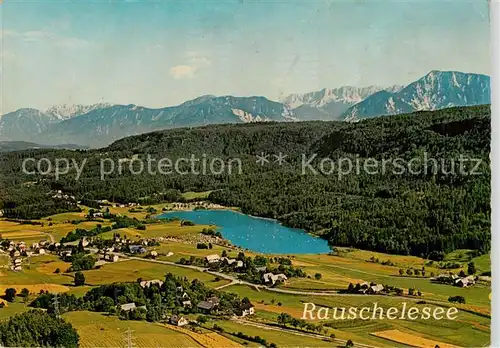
{"x": 55, "y": 302}
{"x": 129, "y": 339}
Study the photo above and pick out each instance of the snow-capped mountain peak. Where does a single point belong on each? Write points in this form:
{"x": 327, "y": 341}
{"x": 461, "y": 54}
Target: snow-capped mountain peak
{"x": 436, "y": 90}
{"x": 65, "y": 111}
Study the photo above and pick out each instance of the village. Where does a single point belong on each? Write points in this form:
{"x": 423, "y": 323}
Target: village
{"x": 106, "y": 243}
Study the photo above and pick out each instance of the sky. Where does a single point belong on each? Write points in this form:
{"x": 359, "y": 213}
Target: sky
{"x": 161, "y": 53}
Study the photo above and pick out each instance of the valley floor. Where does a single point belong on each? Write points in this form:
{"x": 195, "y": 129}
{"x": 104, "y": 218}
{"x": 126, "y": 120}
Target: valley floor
{"x": 337, "y": 270}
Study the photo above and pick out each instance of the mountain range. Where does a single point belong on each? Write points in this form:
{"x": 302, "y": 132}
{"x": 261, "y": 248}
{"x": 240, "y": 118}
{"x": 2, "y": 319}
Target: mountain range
{"x": 100, "y": 124}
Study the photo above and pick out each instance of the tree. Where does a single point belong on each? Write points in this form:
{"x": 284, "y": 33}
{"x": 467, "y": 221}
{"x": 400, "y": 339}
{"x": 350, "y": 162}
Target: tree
{"x": 458, "y": 299}
{"x": 104, "y": 304}
{"x": 38, "y": 329}
{"x": 409, "y": 272}
{"x": 79, "y": 279}
{"x": 401, "y": 271}
{"x": 10, "y": 294}
{"x": 24, "y": 292}
{"x": 349, "y": 344}
{"x": 284, "y": 318}
{"x": 317, "y": 276}
{"x": 202, "y": 319}
{"x": 471, "y": 268}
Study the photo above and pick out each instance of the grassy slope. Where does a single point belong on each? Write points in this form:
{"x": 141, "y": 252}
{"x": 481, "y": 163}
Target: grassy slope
{"x": 99, "y": 330}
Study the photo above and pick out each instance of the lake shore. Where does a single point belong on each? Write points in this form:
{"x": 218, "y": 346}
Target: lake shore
{"x": 258, "y": 234}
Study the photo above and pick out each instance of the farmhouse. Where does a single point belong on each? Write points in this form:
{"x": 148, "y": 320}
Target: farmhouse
{"x": 465, "y": 282}
{"x": 205, "y": 306}
{"x": 273, "y": 278}
{"x": 178, "y": 320}
{"x": 247, "y": 309}
{"x": 186, "y": 304}
{"x": 128, "y": 306}
{"x": 212, "y": 258}
{"x": 137, "y": 249}
{"x": 455, "y": 280}
{"x": 111, "y": 257}
{"x": 375, "y": 289}
{"x": 228, "y": 261}
{"x": 148, "y": 283}
{"x": 209, "y": 304}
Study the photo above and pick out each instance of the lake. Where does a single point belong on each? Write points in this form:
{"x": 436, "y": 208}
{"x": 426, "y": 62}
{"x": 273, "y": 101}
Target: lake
{"x": 256, "y": 234}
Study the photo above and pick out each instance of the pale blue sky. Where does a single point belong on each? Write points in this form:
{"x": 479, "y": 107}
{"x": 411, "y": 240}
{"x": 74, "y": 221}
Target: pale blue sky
{"x": 159, "y": 53}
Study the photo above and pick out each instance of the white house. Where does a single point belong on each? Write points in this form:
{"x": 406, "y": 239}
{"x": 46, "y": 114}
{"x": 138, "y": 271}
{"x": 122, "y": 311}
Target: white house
{"x": 273, "y": 278}
{"x": 247, "y": 309}
{"x": 128, "y": 306}
{"x": 212, "y": 258}
{"x": 178, "y": 320}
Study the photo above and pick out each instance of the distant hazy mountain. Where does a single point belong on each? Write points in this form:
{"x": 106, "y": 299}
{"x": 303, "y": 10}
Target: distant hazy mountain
{"x": 27, "y": 124}
{"x": 101, "y": 126}
{"x": 24, "y": 124}
{"x": 436, "y": 90}
{"x": 329, "y": 104}
{"x": 65, "y": 111}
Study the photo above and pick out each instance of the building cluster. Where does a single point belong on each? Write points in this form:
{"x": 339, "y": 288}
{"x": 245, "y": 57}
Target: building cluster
{"x": 60, "y": 195}
{"x": 214, "y": 258}
{"x": 18, "y": 250}
{"x": 455, "y": 280}
{"x": 373, "y": 289}
{"x": 271, "y": 278}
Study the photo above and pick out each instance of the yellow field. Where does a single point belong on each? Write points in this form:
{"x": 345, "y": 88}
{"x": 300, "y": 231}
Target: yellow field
{"x": 208, "y": 340}
{"x": 130, "y": 270}
{"x": 50, "y": 267}
{"x": 98, "y": 330}
{"x": 35, "y": 288}
{"x": 34, "y": 233}
{"x": 411, "y": 340}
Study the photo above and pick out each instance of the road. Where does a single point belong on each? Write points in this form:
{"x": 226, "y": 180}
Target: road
{"x": 295, "y": 332}
{"x": 236, "y": 281}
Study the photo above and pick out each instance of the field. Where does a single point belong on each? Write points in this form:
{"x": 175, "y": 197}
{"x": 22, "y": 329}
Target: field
{"x": 130, "y": 270}
{"x": 355, "y": 267}
{"x": 60, "y": 227}
{"x": 337, "y": 270}
{"x": 468, "y": 329}
{"x": 12, "y": 309}
{"x": 405, "y": 338}
{"x": 280, "y": 338}
{"x": 98, "y": 330}
{"x": 37, "y": 271}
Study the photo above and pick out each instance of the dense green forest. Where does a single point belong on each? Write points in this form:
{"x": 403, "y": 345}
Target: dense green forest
{"x": 37, "y": 329}
{"x": 425, "y": 212}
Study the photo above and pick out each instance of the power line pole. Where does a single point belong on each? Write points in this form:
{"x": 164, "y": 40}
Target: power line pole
{"x": 55, "y": 302}
{"x": 129, "y": 339}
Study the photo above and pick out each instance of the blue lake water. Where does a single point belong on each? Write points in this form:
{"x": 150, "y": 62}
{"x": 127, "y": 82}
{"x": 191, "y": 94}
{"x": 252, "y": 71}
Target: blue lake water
{"x": 256, "y": 234}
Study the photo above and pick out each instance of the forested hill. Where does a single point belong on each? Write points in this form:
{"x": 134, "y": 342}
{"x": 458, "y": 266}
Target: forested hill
{"x": 419, "y": 212}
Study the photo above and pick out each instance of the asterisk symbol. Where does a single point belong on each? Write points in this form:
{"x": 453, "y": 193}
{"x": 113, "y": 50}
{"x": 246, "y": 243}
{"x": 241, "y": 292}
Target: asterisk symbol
{"x": 280, "y": 158}
{"x": 262, "y": 159}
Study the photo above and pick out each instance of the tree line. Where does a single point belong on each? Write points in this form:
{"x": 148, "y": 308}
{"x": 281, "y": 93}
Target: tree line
{"x": 431, "y": 211}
